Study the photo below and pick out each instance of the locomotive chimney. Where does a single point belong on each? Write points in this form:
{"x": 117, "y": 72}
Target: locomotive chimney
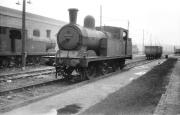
{"x": 73, "y": 15}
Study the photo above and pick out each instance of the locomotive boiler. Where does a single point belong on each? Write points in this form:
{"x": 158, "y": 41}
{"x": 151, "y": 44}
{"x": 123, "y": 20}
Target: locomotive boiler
{"x": 89, "y": 51}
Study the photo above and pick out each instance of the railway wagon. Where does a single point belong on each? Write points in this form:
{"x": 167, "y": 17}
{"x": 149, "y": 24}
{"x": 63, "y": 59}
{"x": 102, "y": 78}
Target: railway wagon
{"x": 177, "y": 51}
{"x": 40, "y": 37}
{"x": 85, "y": 51}
{"x": 153, "y": 52}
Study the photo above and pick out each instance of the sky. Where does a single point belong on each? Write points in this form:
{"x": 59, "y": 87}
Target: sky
{"x": 160, "y": 19}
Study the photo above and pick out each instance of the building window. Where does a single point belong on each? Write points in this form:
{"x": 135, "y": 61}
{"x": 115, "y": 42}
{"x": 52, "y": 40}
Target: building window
{"x": 2, "y": 30}
{"x": 48, "y": 33}
{"x": 36, "y": 33}
{"x": 15, "y": 34}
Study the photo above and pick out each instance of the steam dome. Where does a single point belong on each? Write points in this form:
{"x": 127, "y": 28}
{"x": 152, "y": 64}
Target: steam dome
{"x": 89, "y": 22}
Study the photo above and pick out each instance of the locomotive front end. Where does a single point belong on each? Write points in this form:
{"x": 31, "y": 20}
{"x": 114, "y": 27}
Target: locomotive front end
{"x": 75, "y": 38}
{"x": 68, "y": 38}
{"x": 85, "y": 52}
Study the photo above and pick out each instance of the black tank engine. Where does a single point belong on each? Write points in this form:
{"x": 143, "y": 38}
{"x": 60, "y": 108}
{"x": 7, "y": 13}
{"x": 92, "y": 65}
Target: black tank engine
{"x": 88, "y": 51}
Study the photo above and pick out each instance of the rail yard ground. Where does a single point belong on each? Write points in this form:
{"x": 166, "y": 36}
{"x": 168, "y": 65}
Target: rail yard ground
{"x": 19, "y": 70}
{"x": 170, "y": 100}
{"x": 30, "y": 85}
{"x": 136, "y": 91}
{"x": 140, "y": 97}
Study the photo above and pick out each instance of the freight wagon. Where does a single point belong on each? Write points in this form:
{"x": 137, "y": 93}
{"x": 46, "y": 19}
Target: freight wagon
{"x": 176, "y": 51}
{"x": 153, "y": 52}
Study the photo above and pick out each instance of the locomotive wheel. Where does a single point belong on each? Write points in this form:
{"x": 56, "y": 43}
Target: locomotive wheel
{"x": 116, "y": 67}
{"x": 67, "y": 73}
{"x": 91, "y": 72}
{"x": 122, "y": 64}
{"x": 83, "y": 75}
{"x": 104, "y": 68}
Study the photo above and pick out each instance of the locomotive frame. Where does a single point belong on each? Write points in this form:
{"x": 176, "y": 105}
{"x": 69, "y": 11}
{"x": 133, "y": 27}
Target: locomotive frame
{"x": 88, "y": 67}
{"x": 94, "y": 52}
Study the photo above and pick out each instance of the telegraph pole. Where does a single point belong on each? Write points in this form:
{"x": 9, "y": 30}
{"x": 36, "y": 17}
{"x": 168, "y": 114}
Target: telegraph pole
{"x": 24, "y": 35}
{"x": 101, "y": 17}
{"x": 143, "y": 42}
{"x": 128, "y": 25}
{"x": 23, "y": 52}
{"x": 128, "y": 28}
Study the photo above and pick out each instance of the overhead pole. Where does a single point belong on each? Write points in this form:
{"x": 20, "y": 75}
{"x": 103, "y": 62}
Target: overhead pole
{"x": 128, "y": 28}
{"x": 24, "y": 54}
{"x": 143, "y": 43}
{"x": 101, "y": 17}
{"x": 23, "y": 50}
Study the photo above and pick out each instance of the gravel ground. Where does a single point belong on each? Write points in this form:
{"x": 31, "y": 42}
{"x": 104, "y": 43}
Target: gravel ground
{"x": 25, "y": 81}
{"x": 12, "y": 98}
{"x": 16, "y": 70}
{"x": 31, "y": 93}
{"x": 138, "y": 98}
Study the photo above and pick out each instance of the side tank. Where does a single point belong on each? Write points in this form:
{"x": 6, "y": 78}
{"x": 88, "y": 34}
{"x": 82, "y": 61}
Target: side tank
{"x": 73, "y": 36}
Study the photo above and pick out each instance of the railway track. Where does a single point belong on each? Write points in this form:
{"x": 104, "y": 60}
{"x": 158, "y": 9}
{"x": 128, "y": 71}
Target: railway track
{"x": 43, "y": 71}
{"x": 41, "y": 82}
{"x": 51, "y": 87}
{"x": 13, "y": 76}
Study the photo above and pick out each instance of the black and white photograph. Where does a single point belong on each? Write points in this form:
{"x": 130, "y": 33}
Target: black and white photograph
{"x": 89, "y": 57}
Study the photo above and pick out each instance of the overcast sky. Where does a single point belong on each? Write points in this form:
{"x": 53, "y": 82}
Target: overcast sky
{"x": 160, "y": 19}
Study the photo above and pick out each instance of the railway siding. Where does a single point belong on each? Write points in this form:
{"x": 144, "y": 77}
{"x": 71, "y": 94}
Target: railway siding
{"x": 27, "y": 73}
{"x": 9, "y": 100}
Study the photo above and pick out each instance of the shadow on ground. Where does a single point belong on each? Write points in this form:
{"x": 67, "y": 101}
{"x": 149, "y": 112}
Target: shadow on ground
{"x": 69, "y": 109}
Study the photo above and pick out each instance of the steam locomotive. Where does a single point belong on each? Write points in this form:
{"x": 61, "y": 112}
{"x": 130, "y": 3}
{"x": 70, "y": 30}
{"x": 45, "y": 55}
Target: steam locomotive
{"x": 88, "y": 51}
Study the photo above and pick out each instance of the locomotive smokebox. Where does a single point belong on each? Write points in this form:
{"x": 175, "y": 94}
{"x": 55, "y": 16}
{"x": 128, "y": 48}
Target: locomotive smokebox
{"x": 73, "y": 15}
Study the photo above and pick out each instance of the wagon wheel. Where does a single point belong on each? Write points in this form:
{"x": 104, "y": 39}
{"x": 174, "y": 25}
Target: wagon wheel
{"x": 18, "y": 61}
{"x": 38, "y": 60}
{"x": 91, "y": 72}
{"x": 5, "y": 63}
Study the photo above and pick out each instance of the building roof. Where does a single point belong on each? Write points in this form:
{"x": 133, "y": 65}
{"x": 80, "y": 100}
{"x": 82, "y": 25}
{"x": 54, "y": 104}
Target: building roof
{"x": 29, "y": 16}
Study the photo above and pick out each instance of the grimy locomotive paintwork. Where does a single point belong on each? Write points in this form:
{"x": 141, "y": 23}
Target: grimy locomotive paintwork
{"x": 88, "y": 50}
